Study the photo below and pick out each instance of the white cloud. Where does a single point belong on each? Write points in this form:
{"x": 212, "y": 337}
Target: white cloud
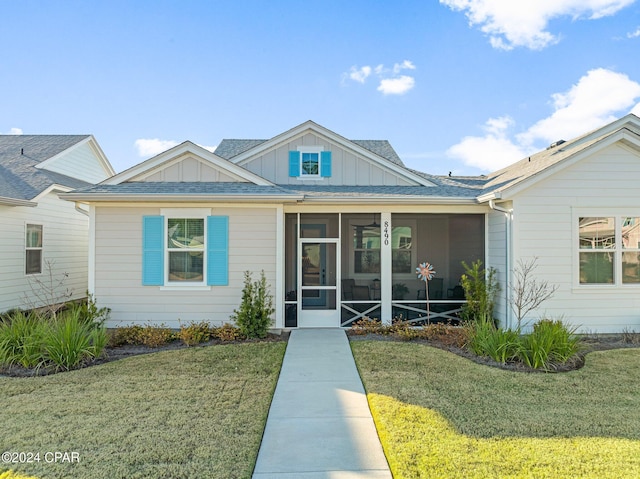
{"x": 209, "y": 148}
{"x": 599, "y": 97}
{"x": 153, "y": 146}
{"x": 390, "y": 80}
{"x": 15, "y": 131}
{"x": 595, "y": 100}
{"x": 635, "y": 34}
{"x": 489, "y": 152}
{"x": 359, "y": 74}
{"x": 524, "y": 23}
{"x": 396, "y": 86}
{"x": 405, "y": 65}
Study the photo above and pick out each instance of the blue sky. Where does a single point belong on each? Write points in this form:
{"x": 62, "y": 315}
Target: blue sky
{"x": 455, "y": 85}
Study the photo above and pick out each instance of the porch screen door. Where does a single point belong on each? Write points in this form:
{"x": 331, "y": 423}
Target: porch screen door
{"x": 317, "y": 265}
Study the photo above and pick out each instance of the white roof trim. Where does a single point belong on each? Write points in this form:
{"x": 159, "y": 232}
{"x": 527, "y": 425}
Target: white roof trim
{"x": 5, "y": 201}
{"x": 179, "y": 151}
{"x": 179, "y": 198}
{"x": 335, "y": 138}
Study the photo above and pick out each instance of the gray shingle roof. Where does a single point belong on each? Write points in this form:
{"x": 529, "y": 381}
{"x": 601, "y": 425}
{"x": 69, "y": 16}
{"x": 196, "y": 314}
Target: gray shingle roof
{"x": 171, "y": 188}
{"x": 19, "y": 155}
{"x": 230, "y": 148}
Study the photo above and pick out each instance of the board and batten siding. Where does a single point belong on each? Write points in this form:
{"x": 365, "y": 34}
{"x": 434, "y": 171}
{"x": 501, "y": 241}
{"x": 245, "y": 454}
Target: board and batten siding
{"x": 545, "y": 227}
{"x": 118, "y": 268}
{"x": 65, "y": 246}
{"x": 80, "y": 162}
{"x": 347, "y": 167}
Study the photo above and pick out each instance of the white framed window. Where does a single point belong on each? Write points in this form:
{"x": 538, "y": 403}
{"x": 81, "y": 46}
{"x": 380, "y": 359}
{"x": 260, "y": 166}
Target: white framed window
{"x": 33, "y": 249}
{"x": 310, "y": 164}
{"x": 185, "y": 246}
{"x": 609, "y": 250}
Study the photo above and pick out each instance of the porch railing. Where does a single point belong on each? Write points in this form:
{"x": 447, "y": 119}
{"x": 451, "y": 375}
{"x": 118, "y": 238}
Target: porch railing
{"x": 415, "y": 312}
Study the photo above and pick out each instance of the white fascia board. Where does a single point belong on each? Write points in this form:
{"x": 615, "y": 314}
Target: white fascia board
{"x": 178, "y": 198}
{"x": 104, "y": 161}
{"x": 334, "y": 137}
{"x": 55, "y": 187}
{"x": 180, "y": 150}
{"x": 4, "y": 201}
{"x": 432, "y": 200}
{"x": 623, "y": 136}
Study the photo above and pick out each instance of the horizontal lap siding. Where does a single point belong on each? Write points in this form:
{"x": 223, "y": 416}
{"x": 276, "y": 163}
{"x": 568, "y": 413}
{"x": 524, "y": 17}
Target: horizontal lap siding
{"x": 65, "y": 240}
{"x": 118, "y": 280}
{"x": 496, "y": 257}
{"x": 82, "y": 163}
{"x": 544, "y": 228}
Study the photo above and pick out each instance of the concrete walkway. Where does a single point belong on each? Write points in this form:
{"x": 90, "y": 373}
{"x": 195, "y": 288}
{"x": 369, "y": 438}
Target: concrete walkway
{"x": 319, "y": 424}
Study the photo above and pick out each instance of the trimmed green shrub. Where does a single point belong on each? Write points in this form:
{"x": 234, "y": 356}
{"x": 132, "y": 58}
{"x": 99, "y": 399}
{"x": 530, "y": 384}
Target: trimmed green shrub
{"x": 253, "y": 317}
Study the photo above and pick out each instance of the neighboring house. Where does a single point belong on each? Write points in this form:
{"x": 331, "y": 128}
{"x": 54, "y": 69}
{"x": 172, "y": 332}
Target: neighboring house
{"x": 38, "y": 228}
{"x": 339, "y": 227}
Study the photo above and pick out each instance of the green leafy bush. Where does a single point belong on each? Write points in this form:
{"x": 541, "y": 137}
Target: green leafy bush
{"x": 89, "y": 312}
{"x": 549, "y": 344}
{"x": 195, "y": 333}
{"x": 480, "y": 289}
{"x": 253, "y": 317}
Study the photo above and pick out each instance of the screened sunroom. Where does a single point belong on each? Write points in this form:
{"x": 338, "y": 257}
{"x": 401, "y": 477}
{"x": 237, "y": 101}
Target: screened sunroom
{"x": 342, "y": 267}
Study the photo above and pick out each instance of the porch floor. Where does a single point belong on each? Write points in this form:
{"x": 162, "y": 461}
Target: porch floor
{"x": 319, "y": 423}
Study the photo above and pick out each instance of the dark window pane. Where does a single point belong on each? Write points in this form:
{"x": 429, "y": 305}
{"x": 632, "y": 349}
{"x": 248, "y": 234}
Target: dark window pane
{"x": 34, "y": 261}
{"x": 596, "y": 268}
{"x": 186, "y": 266}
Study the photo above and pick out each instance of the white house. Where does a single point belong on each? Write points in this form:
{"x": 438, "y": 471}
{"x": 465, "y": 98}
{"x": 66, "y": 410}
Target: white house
{"x": 38, "y": 228}
{"x": 339, "y": 226}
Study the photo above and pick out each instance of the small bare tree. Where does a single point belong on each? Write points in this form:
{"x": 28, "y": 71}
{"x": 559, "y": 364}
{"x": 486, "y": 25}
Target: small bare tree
{"x": 528, "y": 292}
{"x": 49, "y": 293}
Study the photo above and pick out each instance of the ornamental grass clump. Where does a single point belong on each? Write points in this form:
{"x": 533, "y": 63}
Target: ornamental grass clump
{"x": 485, "y": 339}
{"x": 69, "y": 340}
{"x": 549, "y": 344}
{"x": 21, "y": 339}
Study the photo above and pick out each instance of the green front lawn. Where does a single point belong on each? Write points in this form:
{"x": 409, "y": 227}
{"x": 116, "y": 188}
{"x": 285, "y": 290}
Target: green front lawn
{"x": 442, "y": 416}
{"x": 196, "y": 412}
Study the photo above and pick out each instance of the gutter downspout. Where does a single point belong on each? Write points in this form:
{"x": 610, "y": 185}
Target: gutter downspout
{"x": 508, "y": 234}
{"x": 80, "y": 210}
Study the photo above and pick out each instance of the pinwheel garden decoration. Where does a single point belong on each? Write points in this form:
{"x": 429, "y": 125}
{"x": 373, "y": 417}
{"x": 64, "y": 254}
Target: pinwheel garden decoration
{"x": 426, "y": 273}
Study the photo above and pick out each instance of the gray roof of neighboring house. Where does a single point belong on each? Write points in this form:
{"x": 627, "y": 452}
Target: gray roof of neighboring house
{"x": 230, "y": 148}
{"x": 19, "y": 155}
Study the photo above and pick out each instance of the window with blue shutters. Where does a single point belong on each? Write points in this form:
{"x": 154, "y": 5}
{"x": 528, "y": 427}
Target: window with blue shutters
{"x": 185, "y": 251}
{"x": 310, "y": 163}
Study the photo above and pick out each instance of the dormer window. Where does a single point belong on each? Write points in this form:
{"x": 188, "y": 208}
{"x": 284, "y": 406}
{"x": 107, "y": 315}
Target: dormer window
{"x": 310, "y": 162}
{"x": 310, "y": 165}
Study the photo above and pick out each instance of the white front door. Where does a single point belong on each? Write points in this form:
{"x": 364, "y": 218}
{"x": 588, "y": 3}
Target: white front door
{"x": 317, "y": 283}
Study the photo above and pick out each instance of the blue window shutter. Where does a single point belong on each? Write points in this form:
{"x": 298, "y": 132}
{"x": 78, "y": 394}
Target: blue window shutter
{"x": 153, "y": 250}
{"x": 325, "y": 164}
{"x": 294, "y": 163}
{"x": 217, "y": 250}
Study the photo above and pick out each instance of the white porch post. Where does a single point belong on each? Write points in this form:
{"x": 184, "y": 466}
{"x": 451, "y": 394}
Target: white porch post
{"x": 385, "y": 268}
